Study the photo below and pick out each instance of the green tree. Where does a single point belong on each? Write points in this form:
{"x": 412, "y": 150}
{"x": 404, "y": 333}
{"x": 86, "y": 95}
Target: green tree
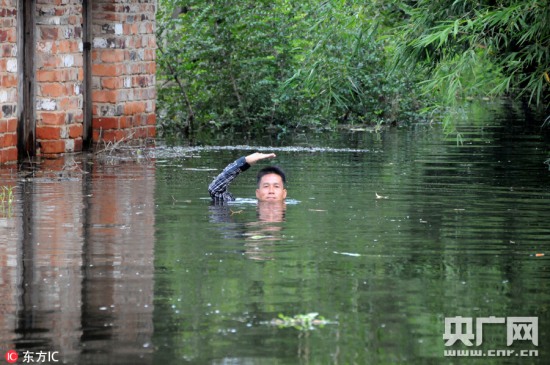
{"x": 342, "y": 70}
{"x": 229, "y": 59}
{"x": 471, "y": 49}
{"x": 278, "y": 64}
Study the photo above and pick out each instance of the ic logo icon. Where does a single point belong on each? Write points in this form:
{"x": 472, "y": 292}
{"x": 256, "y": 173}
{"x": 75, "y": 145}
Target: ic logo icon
{"x": 12, "y": 356}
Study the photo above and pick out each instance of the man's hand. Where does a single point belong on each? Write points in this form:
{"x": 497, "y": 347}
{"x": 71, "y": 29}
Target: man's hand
{"x": 257, "y": 156}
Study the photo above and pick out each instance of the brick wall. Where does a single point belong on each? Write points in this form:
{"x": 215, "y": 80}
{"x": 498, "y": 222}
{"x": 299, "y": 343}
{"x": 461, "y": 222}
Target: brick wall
{"x": 123, "y": 69}
{"x": 122, "y": 73}
{"x": 59, "y": 76}
{"x": 8, "y": 81}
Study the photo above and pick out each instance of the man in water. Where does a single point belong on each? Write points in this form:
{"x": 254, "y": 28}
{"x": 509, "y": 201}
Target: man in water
{"x": 271, "y": 180}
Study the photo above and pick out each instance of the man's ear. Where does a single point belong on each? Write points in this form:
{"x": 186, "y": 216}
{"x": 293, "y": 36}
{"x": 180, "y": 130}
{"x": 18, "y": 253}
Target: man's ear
{"x": 257, "y": 193}
{"x": 284, "y": 193}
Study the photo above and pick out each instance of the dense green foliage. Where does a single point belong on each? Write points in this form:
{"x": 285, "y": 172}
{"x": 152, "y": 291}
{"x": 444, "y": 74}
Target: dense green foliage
{"x": 276, "y": 65}
{"x": 280, "y": 64}
{"x": 472, "y": 49}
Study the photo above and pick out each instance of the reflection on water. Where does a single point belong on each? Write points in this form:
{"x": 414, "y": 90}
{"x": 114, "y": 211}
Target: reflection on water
{"x": 259, "y": 234}
{"x": 77, "y": 263}
{"x": 384, "y": 235}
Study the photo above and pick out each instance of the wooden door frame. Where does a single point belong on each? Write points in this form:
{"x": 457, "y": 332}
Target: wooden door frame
{"x": 87, "y": 137}
{"x": 26, "y": 114}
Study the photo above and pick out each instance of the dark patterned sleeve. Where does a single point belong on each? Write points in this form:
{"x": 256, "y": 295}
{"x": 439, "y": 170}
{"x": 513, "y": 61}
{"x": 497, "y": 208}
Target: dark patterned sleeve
{"x": 218, "y": 188}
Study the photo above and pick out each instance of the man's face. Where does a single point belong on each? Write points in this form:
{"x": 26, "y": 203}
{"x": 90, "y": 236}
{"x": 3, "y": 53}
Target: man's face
{"x": 271, "y": 188}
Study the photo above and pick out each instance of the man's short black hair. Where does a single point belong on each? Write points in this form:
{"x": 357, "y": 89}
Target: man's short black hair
{"x": 270, "y": 170}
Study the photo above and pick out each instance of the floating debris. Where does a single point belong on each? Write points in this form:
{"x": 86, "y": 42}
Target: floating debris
{"x": 181, "y": 151}
{"x": 259, "y": 237}
{"x": 347, "y": 253}
{"x": 302, "y": 322}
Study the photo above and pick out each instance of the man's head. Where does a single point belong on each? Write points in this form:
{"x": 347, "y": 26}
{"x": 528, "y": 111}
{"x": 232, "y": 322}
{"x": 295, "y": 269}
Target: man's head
{"x": 271, "y": 184}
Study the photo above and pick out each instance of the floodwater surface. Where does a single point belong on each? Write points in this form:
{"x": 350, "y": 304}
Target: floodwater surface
{"x": 383, "y": 237}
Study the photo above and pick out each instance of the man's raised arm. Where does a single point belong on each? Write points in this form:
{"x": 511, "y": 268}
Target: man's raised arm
{"x": 218, "y": 188}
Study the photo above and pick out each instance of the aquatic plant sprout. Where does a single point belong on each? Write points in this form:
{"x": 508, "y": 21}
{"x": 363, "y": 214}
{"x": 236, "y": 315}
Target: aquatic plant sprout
{"x": 6, "y": 196}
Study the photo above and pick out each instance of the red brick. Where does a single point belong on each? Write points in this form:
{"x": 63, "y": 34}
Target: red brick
{"x": 149, "y": 55}
{"x": 112, "y": 55}
{"x": 151, "y": 68}
{"x": 96, "y": 135}
{"x": 105, "y": 96}
{"x": 12, "y": 125}
{"x": 9, "y": 140}
{"x": 105, "y": 123}
{"x": 75, "y": 130}
{"x": 130, "y": 28}
{"x": 52, "y": 118}
{"x": 126, "y": 122}
{"x": 45, "y": 75}
{"x": 49, "y": 147}
{"x": 107, "y": 70}
{"x": 142, "y": 133}
{"x": 78, "y": 117}
{"x": 149, "y": 29}
{"x": 70, "y": 103}
{"x": 9, "y": 81}
{"x": 57, "y": 75}
{"x": 112, "y": 82}
{"x": 78, "y": 144}
{"x": 8, "y": 155}
{"x": 48, "y": 132}
{"x": 53, "y": 89}
{"x": 66, "y": 46}
{"x": 142, "y": 81}
{"x": 134, "y": 107}
{"x": 152, "y": 119}
{"x": 113, "y": 135}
